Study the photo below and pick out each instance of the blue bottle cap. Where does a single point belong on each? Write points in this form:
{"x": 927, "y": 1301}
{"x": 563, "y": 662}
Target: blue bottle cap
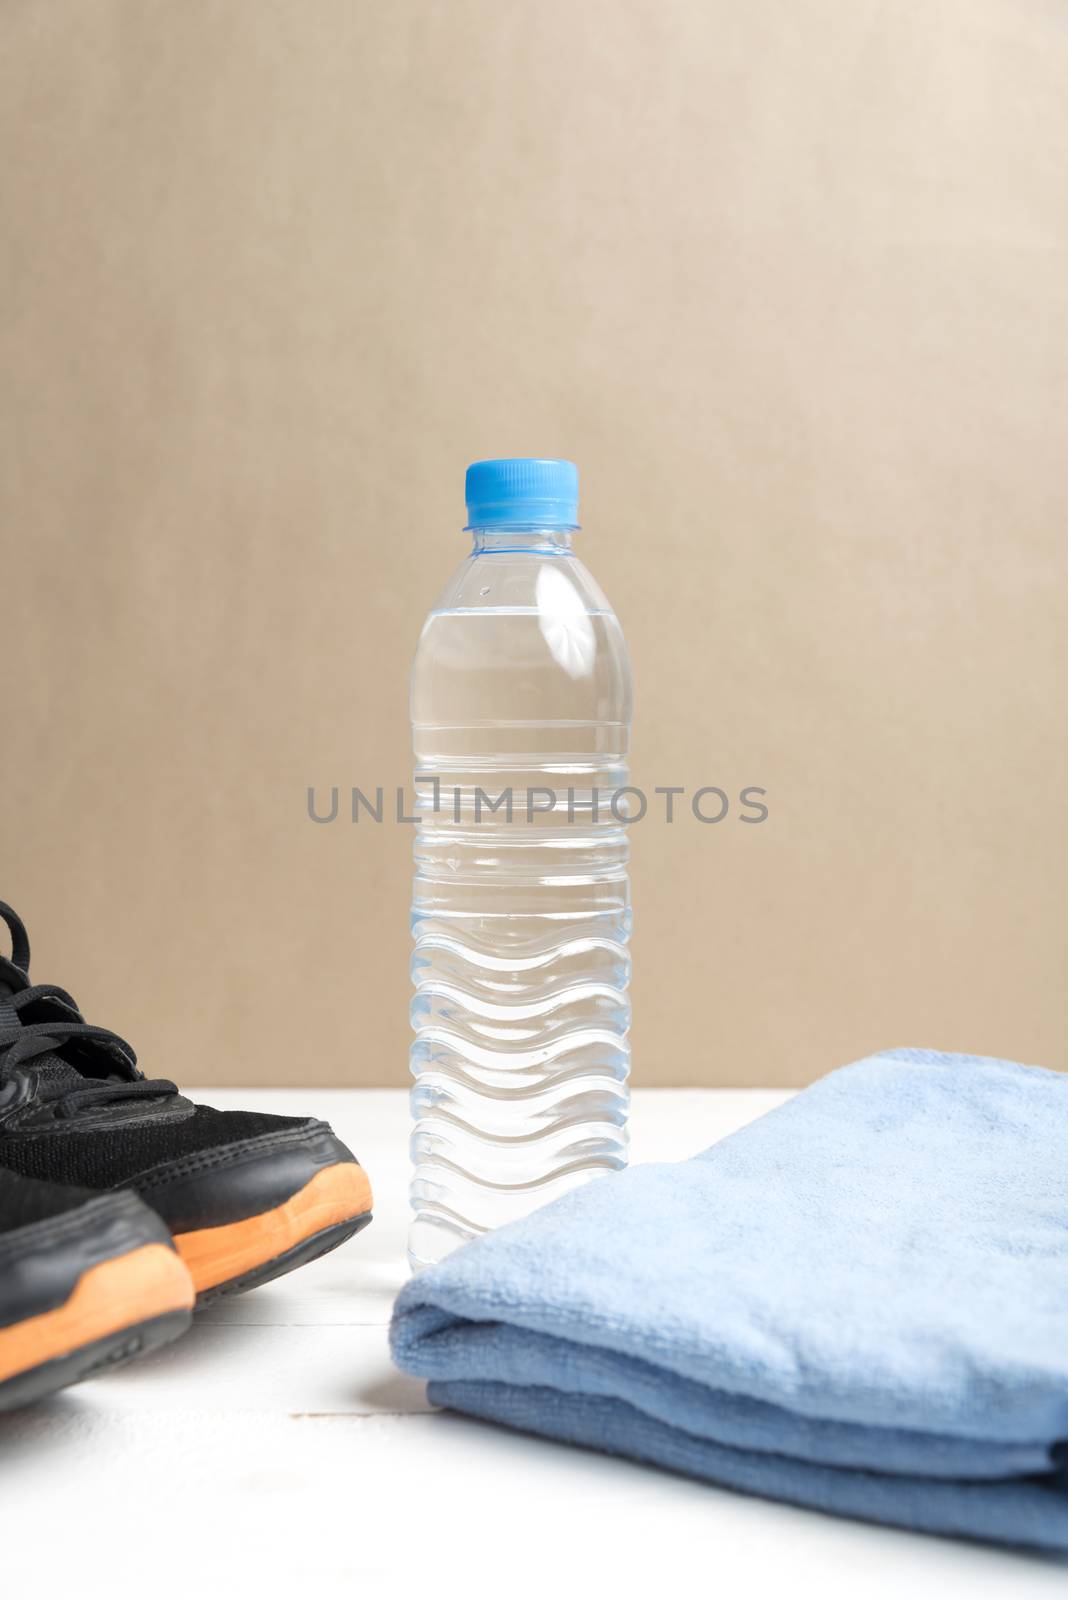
{"x": 522, "y": 493}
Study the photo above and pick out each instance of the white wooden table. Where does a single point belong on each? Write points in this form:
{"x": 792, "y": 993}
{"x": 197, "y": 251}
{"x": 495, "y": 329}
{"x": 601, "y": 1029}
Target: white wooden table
{"x": 275, "y": 1449}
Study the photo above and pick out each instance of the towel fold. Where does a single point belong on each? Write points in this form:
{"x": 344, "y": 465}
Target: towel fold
{"x": 858, "y": 1303}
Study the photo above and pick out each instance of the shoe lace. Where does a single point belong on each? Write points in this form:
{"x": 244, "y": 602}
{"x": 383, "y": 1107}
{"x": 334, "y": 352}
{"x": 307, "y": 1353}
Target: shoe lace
{"x": 24, "y": 1041}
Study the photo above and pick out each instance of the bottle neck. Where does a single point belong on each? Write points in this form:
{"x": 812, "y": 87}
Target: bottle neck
{"x": 545, "y": 541}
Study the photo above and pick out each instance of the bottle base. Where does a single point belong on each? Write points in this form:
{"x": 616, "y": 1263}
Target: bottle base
{"x": 430, "y": 1240}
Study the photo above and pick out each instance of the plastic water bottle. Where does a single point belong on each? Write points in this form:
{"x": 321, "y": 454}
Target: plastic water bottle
{"x": 521, "y": 709}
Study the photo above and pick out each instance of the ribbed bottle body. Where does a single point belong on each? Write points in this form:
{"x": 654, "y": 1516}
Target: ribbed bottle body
{"x": 521, "y": 915}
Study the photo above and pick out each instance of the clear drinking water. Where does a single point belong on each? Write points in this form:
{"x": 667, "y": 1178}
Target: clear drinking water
{"x": 522, "y": 689}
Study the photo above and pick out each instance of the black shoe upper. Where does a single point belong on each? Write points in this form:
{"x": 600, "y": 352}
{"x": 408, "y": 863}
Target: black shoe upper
{"x": 106, "y": 1154}
{"x": 24, "y": 1201}
{"x": 74, "y": 1109}
{"x": 198, "y": 1171}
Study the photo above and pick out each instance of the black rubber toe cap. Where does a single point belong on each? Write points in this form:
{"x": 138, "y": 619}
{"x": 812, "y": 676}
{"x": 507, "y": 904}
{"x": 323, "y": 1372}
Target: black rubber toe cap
{"x": 41, "y": 1263}
{"x": 240, "y": 1179}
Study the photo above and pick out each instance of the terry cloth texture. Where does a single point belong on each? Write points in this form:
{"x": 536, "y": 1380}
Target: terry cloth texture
{"x": 858, "y": 1303}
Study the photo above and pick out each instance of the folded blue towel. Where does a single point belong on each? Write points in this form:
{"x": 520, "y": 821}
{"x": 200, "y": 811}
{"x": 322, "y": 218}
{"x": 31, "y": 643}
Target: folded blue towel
{"x": 858, "y": 1303}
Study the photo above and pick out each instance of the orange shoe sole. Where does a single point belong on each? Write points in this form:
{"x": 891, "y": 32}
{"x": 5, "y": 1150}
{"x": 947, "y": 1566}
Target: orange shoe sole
{"x": 140, "y": 1287}
{"x": 239, "y": 1255}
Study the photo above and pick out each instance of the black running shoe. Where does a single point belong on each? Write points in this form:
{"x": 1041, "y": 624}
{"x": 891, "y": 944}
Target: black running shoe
{"x": 87, "y": 1281}
{"x": 247, "y": 1196}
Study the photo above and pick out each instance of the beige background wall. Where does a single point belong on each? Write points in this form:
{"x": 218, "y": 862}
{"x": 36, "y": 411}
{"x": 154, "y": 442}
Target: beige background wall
{"x": 788, "y": 279}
